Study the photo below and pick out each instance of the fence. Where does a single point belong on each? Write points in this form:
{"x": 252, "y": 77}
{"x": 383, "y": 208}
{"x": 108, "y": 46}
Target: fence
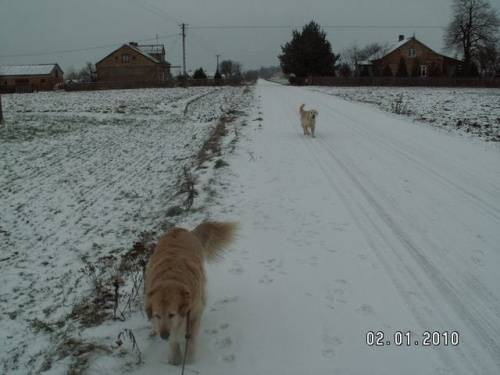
{"x": 18, "y": 89}
{"x": 125, "y": 85}
{"x": 403, "y": 82}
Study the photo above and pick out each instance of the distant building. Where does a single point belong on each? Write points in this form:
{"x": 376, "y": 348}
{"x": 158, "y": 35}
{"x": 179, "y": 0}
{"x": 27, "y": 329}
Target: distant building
{"x": 20, "y": 78}
{"x": 419, "y": 59}
{"x": 133, "y": 62}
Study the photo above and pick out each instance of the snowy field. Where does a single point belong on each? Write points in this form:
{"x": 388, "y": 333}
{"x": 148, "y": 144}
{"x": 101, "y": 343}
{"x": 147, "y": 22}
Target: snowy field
{"x": 381, "y": 224}
{"x": 473, "y": 111}
{"x": 84, "y": 176}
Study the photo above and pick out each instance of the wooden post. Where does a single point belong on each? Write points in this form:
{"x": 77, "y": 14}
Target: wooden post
{"x": 1, "y": 113}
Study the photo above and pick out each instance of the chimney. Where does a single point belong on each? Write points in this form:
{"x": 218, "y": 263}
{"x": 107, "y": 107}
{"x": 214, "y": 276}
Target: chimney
{"x": 401, "y": 38}
{"x": 133, "y": 44}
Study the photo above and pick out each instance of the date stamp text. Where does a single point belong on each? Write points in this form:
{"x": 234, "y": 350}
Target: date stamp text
{"x": 408, "y": 338}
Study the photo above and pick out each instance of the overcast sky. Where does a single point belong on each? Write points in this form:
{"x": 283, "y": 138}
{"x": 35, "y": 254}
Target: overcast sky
{"x": 73, "y": 32}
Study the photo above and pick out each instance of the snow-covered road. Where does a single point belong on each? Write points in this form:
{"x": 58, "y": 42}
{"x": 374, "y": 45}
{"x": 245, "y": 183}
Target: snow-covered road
{"x": 377, "y": 225}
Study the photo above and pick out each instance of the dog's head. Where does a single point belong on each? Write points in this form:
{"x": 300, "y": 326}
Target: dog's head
{"x": 167, "y": 305}
{"x": 313, "y": 114}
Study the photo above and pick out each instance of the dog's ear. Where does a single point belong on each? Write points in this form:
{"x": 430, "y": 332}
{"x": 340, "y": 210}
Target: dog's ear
{"x": 185, "y": 304}
{"x": 148, "y": 306}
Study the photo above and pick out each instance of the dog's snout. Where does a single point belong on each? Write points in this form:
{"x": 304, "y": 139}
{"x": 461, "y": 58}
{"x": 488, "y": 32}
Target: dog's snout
{"x": 165, "y": 335}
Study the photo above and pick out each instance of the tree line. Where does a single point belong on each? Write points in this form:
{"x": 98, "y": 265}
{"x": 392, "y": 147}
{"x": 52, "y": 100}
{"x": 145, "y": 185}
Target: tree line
{"x": 473, "y": 34}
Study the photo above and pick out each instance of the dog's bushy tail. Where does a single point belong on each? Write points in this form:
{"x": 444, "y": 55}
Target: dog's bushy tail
{"x": 214, "y": 237}
{"x": 302, "y": 107}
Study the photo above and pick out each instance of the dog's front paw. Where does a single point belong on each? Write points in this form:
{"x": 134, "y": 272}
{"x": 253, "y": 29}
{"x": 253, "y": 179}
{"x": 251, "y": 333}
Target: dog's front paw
{"x": 175, "y": 360}
{"x": 175, "y": 355}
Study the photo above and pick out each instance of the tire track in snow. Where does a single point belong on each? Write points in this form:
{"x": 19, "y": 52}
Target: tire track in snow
{"x": 471, "y": 315}
{"x": 369, "y": 210}
{"x": 411, "y": 153}
{"x": 477, "y": 316}
{"x": 477, "y": 291}
{"x": 455, "y": 188}
{"x": 369, "y": 228}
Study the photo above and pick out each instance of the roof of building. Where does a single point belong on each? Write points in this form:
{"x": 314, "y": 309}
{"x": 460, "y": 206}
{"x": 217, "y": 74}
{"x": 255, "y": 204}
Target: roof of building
{"x": 152, "y": 49}
{"x": 390, "y": 50}
{"x": 144, "y": 53}
{"x": 27, "y": 70}
{"x": 385, "y": 52}
{"x": 144, "y": 50}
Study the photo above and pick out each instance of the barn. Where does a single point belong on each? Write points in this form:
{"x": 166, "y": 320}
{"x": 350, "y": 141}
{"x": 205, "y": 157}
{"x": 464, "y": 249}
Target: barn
{"x": 29, "y": 78}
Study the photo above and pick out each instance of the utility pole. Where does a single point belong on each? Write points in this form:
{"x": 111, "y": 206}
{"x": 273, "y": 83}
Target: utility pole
{"x": 183, "y": 26}
{"x": 217, "y": 69}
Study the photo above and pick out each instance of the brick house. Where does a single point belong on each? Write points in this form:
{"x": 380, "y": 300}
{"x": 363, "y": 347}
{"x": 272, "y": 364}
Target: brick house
{"x": 133, "y": 62}
{"x": 41, "y": 77}
{"x": 419, "y": 59}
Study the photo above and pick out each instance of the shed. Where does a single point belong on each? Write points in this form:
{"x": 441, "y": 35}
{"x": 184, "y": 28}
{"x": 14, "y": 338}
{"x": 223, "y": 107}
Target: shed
{"x": 41, "y": 77}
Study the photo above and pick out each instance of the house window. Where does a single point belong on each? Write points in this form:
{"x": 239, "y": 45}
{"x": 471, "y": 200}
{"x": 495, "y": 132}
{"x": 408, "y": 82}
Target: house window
{"x": 125, "y": 58}
{"x": 423, "y": 71}
{"x": 412, "y": 53}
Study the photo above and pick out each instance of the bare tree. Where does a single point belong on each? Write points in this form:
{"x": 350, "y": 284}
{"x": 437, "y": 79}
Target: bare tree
{"x": 354, "y": 54}
{"x": 489, "y": 60}
{"x": 70, "y": 73}
{"x": 474, "y": 27}
{"x": 230, "y": 68}
{"x": 88, "y": 73}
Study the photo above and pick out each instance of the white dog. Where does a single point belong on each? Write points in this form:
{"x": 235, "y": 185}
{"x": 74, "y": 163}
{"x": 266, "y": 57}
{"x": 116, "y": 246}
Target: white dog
{"x": 308, "y": 120}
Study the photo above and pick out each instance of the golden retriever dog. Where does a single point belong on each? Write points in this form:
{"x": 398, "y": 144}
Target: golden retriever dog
{"x": 308, "y": 120}
{"x": 175, "y": 281}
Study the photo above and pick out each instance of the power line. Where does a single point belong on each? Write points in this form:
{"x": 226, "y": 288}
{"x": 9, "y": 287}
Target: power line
{"x": 218, "y": 27}
{"x": 173, "y": 45}
{"x": 222, "y": 27}
{"x": 85, "y": 49}
{"x": 156, "y": 10}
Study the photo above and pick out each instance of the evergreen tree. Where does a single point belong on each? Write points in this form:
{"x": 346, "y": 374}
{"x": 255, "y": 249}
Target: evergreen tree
{"x": 433, "y": 70}
{"x": 387, "y": 71}
{"x": 415, "y": 69}
{"x": 309, "y": 53}
{"x": 365, "y": 72}
{"x": 402, "y": 69}
{"x": 345, "y": 70}
{"x": 199, "y": 74}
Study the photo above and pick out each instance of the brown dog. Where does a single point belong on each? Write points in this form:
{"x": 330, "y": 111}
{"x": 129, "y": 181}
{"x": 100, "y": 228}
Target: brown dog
{"x": 175, "y": 281}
